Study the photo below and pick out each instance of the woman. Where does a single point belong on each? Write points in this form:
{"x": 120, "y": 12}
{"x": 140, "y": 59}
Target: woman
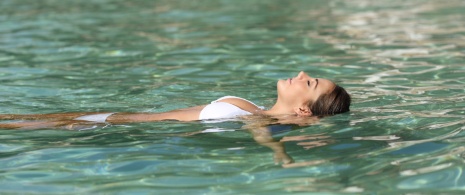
{"x": 299, "y": 96}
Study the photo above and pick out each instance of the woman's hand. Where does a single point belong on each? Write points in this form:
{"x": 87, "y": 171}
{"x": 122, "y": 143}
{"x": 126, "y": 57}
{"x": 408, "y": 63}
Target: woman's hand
{"x": 282, "y": 158}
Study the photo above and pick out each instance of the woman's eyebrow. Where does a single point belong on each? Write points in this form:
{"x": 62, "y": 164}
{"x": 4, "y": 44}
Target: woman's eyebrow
{"x": 316, "y": 83}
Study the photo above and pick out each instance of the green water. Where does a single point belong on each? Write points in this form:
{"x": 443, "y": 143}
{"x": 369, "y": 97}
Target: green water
{"x": 402, "y": 61}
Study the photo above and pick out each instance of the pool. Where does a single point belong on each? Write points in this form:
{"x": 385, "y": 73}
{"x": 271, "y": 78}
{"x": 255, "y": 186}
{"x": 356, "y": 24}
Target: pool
{"x": 402, "y": 62}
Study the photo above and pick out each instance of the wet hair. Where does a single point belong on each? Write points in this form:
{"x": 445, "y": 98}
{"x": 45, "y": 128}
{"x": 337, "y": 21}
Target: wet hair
{"x": 335, "y": 102}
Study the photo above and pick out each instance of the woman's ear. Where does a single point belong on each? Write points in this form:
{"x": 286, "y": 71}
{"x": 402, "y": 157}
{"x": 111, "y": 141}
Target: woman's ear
{"x": 303, "y": 111}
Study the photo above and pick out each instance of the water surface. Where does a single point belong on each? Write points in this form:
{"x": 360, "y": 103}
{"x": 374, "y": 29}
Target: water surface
{"x": 402, "y": 62}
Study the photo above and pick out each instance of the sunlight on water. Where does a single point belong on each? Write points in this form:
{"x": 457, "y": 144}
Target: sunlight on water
{"x": 402, "y": 62}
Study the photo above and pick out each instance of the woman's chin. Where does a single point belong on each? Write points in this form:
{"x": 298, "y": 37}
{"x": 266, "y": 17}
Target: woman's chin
{"x": 281, "y": 88}
{"x": 280, "y": 85}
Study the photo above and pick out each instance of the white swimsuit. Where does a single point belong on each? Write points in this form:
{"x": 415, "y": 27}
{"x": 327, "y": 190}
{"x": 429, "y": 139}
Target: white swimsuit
{"x": 221, "y": 110}
{"x": 214, "y": 110}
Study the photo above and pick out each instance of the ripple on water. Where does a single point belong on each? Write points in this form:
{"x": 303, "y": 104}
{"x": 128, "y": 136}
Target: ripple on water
{"x": 401, "y": 61}
{"x": 442, "y": 176}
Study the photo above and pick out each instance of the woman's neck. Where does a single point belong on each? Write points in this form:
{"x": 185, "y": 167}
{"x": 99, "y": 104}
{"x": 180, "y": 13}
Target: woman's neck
{"x": 279, "y": 108}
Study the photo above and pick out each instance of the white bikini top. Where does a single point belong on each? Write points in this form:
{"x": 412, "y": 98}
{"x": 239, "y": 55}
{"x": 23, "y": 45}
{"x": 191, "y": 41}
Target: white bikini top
{"x": 221, "y": 110}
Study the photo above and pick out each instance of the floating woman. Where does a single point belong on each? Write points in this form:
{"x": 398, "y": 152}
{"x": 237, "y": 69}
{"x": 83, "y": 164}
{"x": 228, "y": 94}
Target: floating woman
{"x": 299, "y": 96}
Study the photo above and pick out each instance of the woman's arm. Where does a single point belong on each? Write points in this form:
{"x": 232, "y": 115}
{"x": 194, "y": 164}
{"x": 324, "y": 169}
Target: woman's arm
{"x": 188, "y": 114}
{"x": 260, "y": 128}
{"x": 263, "y": 137}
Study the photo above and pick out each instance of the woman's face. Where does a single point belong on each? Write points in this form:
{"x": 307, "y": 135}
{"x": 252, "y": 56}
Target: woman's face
{"x": 303, "y": 89}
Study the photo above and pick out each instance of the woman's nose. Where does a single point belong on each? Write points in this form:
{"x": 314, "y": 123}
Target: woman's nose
{"x": 302, "y": 75}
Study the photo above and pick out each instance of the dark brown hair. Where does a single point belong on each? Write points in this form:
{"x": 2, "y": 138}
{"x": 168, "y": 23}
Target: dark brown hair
{"x": 335, "y": 102}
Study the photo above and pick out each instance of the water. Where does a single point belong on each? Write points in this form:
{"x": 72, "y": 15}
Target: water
{"x": 402, "y": 61}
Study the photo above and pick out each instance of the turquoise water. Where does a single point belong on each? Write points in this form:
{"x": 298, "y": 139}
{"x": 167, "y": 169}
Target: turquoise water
{"x": 402, "y": 61}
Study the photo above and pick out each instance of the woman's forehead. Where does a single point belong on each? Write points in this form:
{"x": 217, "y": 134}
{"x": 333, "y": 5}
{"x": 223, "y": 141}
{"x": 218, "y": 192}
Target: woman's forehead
{"x": 326, "y": 85}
